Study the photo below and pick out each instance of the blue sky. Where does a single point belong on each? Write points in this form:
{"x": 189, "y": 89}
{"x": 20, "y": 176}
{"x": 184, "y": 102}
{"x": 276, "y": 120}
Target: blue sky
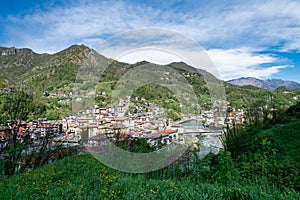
{"x": 243, "y": 38}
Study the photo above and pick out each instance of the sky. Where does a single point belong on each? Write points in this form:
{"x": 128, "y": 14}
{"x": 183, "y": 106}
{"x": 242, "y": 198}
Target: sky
{"x": 243, "y": 38}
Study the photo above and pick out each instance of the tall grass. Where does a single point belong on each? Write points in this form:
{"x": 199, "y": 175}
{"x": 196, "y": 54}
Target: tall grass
{"x": 83, "y": 177}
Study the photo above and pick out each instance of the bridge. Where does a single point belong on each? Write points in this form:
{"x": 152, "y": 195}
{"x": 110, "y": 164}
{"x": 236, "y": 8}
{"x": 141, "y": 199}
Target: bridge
{"x": 192, "y": 127}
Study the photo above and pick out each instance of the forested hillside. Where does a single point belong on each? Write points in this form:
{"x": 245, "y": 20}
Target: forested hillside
{"x": 55, "y": 74}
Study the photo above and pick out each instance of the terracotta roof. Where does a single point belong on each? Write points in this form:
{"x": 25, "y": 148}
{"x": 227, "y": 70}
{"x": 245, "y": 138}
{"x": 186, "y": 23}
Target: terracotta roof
{"x": 161, "y": 133}
{"x": 130, "y": 134}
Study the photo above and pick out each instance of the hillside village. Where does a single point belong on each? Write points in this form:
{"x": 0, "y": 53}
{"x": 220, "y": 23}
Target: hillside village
{"x": 99, "y": 125}
{"x": 132, "y": 117}
{"x": 132, "y": 100}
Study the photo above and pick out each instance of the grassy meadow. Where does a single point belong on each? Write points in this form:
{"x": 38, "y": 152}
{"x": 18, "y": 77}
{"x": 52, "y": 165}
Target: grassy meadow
{"x": 83, "y": 177}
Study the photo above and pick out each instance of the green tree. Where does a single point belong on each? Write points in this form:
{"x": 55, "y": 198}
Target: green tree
{"x": 18, "y": 106}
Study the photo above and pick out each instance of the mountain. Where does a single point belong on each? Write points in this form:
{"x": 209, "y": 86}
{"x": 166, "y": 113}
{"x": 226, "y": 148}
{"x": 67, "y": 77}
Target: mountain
{"x": 78, "y": 68}
{"x": 270, "y": 84}
{"x": 27, "y": 69}
{"x": 50, "y": 72}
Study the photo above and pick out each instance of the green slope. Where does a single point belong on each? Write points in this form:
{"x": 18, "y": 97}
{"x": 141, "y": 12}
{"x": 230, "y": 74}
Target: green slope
{"x": 57, "y": 73}
{"x": 271, "y": 154}
{"x": 83, "y": 177}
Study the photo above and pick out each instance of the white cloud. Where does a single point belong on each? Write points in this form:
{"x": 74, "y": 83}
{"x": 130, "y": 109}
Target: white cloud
{"x": 163, "y": 46}
{"x": 158, "y": 56}
{"x": 229, "y": 64}
{"x": 235, "y": 63}
{"x": 256, "y": 24}
{"x": 221, "y": 28}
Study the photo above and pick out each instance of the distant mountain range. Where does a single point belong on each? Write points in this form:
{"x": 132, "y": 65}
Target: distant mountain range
{"x": 270, "y": 84}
